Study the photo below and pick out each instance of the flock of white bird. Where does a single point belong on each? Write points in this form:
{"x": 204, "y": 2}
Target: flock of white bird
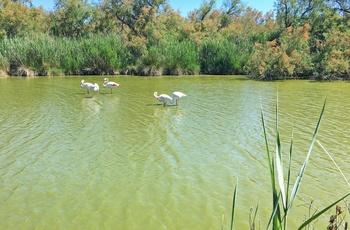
{"x": 164, "y": 98}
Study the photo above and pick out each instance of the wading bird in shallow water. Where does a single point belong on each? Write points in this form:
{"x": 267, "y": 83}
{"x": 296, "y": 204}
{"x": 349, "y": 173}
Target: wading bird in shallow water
{"x": 176, "y": 96}
{"x": 162, "y": 98}
{"x": 89, "y": 86}
{"x": 109, "y": 84}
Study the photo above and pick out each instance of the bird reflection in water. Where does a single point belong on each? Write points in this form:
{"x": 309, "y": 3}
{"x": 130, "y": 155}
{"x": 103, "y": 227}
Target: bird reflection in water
{"x": 92, "y": 105}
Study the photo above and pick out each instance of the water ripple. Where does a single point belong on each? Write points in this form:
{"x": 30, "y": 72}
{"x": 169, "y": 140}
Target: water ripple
{"x": 71, "y": 160}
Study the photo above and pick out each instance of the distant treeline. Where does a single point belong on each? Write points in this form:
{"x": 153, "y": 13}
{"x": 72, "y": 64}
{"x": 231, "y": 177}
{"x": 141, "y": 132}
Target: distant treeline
{"x": 297, "y": 39}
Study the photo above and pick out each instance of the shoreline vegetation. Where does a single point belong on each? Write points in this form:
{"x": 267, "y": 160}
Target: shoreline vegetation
{"x": 295, "y": 40}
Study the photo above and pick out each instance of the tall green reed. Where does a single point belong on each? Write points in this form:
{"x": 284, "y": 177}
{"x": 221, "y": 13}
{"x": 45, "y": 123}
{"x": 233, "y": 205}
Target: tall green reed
{"x": 46, "y": 55}
{"x": 181, "y": 57}
{"x": 152, "y": 62}
{"x": 171, "y": 57}
{"x": 224, "y": 56}
{"x": 282, "y": 200}
{"x": 104, "y": 54}
{"x": 234, "y": 200}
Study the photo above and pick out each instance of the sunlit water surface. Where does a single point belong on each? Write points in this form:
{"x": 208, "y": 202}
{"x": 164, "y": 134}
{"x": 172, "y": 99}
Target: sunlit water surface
{"x": 70, "y": 160}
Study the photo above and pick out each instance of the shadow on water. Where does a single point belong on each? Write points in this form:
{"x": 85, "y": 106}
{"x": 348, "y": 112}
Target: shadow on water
{"x": 106, "y": 93}
{"x": 159, "y": 105}
{"x": 92, "y": 94}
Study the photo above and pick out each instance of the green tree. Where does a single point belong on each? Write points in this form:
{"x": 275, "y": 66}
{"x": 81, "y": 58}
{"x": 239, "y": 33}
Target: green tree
{"x": 133, "y": 15}
{"x": 103, "y": 22}
{"x": 71, "y": 18}
{"x": 231, "y": 9}
{"x": 342, "y": 6}
{"x": 134, "y": 19}
{"x": 23, "y": 2}
{"x": 18, "y": 19}
{"x": 207, "y": 20}
{"x": 286, "y": 57}
{"x": 198, "y": 15}
{"x": 294, "y": 12}
{"x": 333, "y": 57}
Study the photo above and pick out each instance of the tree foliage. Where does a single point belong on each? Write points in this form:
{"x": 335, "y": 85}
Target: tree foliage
{"x": 283, "y": 58}
{"x": 18, "y": 19}
{"x": 71, "y": 18}
{"x": 294, "y": 12}
{"x": 133, "y": 15}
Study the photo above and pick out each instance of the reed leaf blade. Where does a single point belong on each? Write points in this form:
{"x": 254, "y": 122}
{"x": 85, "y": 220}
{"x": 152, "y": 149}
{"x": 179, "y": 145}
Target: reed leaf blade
{"x": 302, "y": 170}
{"x": 233, "y": 205}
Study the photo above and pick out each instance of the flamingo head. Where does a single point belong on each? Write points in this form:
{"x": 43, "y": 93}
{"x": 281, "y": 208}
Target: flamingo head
{"x": 82, "y": 81}
{"x": 155, "y": 94}
{"x": 105, "y": 80}
{"x": 96, "y": 88}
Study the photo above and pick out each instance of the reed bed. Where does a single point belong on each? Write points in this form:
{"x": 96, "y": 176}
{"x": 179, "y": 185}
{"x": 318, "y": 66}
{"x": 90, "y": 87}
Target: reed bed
{"x": 170, "y": 57}
{"x": 181, "y": 58}
{"x": 47, "y": 55}
{"x": 109, "y": 54}
{"x": 224, "y": 57}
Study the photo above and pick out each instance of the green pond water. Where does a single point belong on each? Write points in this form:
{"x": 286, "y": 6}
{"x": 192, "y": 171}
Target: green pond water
{"x": 70, "y": 160}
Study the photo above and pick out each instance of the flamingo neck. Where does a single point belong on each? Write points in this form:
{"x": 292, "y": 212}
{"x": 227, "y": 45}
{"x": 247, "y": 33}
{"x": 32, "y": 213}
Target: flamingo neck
{"x": 155, "y": 94}
{"x": 172, "y": 99}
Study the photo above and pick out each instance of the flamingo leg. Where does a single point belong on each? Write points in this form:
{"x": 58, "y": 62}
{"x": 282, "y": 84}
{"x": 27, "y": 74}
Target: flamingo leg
{"x": 87, "y": 90}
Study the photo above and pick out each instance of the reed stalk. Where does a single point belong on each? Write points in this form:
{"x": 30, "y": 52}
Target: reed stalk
{"x": 282, "y": 201}
{"x": 336, "y": 165}
{"x": 233, "y": 206}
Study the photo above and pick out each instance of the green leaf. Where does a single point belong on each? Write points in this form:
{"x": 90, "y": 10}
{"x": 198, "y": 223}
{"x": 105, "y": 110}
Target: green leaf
{"x": 302, "y": 170}
{"x": 275, "y": 211}
{"x": 233, "y": 205}
{"x": 279, "y": 163}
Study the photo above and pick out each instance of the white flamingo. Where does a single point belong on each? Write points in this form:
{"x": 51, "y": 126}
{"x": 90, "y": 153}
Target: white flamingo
{"x": 109, "y": 84}
{"x": 162, "y": 98}
{"x": 176, "y": 96}
{"x": 89, "y": 86}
